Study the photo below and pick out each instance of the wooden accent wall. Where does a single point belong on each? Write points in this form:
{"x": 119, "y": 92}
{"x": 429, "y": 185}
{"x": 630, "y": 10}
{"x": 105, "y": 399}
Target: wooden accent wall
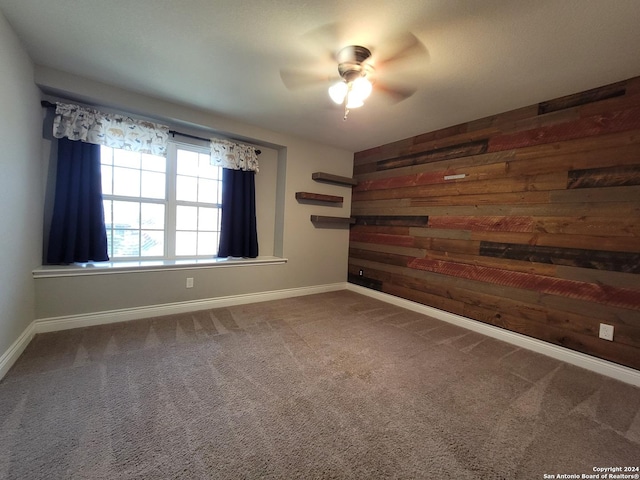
{"x": 542, "y": 234}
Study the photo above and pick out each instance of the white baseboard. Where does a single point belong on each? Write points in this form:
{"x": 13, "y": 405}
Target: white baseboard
{"x": 9, "y": 357}
{"x": 54, "y": 324}
{"x": 604, "y": 367}
{"x": 43, "y": 325}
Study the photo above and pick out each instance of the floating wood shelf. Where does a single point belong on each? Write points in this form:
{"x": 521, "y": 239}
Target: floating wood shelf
{"x": 318, "y": 197}
{"x": 335, "y": 220}
{"x": 335, "y": 179}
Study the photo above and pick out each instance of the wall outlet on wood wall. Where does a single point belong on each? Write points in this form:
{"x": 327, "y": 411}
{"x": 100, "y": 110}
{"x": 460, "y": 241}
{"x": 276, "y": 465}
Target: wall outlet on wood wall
{"x": 606, "y": 331}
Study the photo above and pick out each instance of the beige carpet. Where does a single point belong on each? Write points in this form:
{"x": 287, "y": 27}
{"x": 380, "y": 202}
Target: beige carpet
{"x": 335, "y": 385}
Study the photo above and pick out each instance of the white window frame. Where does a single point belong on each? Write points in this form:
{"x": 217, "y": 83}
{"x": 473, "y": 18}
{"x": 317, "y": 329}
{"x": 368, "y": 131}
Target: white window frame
{"x": 171, "y": 204}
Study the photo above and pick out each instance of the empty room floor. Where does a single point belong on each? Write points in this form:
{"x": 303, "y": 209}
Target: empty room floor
{"x": 334, "y": 385}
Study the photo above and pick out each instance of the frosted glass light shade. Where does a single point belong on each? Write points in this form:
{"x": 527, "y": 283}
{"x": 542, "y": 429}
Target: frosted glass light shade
{"x": 361, "y": 88}
{"x": 338, "y": 91}
{"x": 354, "y": 101}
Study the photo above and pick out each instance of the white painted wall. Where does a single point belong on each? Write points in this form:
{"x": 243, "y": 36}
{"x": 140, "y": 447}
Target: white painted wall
{"x": 20, "y": 187}
{"x": 316, "y": 256}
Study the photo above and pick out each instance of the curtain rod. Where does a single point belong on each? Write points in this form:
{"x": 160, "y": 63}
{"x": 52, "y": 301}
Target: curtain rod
{"x": 48, "y": 104}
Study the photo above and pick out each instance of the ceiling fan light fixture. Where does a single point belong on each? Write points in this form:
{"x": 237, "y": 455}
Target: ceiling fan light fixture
{"x": 361, "y": 88}
{"x": 338, "y": 92}
{"x": 353, "y": 101}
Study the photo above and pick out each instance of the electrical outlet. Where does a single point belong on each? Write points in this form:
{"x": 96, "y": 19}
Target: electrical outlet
{"x": 360, "y": 272}
{"x": 606, "y": 332}
{"x": 190, "y": 282}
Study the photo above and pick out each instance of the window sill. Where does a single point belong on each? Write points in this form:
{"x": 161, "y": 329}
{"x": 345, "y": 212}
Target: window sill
{"x": 107, "y": 268}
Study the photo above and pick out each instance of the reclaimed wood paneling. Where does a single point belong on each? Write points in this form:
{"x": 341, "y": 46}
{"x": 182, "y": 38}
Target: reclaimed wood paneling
{"x": 604, "y": 177}
{"x": 393, "y": 220}
{"x": 582, "y": 98}
{"x": 627, "y": 262}
{"x": 540, "y": 236}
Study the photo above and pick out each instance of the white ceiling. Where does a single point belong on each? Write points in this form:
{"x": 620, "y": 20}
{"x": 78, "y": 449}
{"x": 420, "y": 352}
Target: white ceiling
{"x": 484, "y": 56}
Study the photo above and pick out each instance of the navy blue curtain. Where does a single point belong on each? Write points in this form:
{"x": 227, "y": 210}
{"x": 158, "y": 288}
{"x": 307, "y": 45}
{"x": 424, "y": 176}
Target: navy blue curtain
{"x": 238, "y": 233}
{"x": 77, "y": 228}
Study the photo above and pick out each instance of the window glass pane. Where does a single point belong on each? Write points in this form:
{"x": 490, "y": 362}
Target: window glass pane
{"x": 207, "y": 191}
{"x": 124, "y": 158}
{"x": 106, "y": 172}
{"x": 153, "y": 185}
{"x": 152, "y": 215}
{"x": 152, "y": 243}
{"x": 187, "y": 163}
{"x": 126, "y": 214}
{"x": 106, "y": 205}
{"x": 110, "y": 243}
{"x": 126, "y": 182}
{"x": 137, "y": 229}
{"x": 186, "y": 218}
{"x": 186, "y": 189}
{"x": 126, "y": 243}
{"x": 106, "y": 155}
{"x": 186, "y": 243}
{"x": 206, "y": 169}
{"x": 207, "y": 219}
{"x": 207, "y": 243}
{"x": 154, "y": 163}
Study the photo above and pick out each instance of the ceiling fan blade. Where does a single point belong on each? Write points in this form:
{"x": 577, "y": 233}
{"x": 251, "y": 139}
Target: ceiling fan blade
{"x": 397, "y": 93}
{"x": 404, "y": 47}
{"x": 295, "y": 79}
{"x": 326, "y": 38}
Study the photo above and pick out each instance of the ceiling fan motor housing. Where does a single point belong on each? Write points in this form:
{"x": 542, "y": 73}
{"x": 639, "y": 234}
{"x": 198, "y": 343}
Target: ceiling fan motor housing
{"x": 352, "y": 62}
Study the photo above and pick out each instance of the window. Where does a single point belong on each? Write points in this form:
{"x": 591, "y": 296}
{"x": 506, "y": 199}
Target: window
{"x": 161, "y": 208}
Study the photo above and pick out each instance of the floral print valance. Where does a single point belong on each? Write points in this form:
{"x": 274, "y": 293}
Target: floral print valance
{"x": 117, "y": 131}
{"x": 233, "y": 156}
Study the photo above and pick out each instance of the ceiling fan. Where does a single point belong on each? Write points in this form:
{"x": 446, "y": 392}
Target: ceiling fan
{"x": 360, "y": 71}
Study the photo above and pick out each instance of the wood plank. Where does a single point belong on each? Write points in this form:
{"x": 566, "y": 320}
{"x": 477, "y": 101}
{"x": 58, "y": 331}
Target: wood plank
{"x": 440, "y": 233}
{"x": 333, "y": 179}
{"x": 596, "y": 196}
{"x": 605, "y": 277}
{"x": 381, "y": 257}
{"x": 605, "y": 177}
{"x": 364, "y": 281}
{"x": 583, "y": 144}
{"x": 589, "y": 96}
{"x": 442, "y": 303}
{"x": 318, "y": 197}
{"x": 524, "y": 183}
{"x": 598, "y": 157}
{"x": 509, "y": 198}
{"x": 585, "y": 242}
{"x": 406, "y": 251}
{"x": 447, "y": 245}
{"x": 382, "y": 238}
{"x": 392, "y": 230}
{"x": 623, "y": 227}
{"x": 392, "y": 220}
{"x": 626, "y": 262}
{"x": 494, "y": 262}
{"x": 435, "y": 155}
{"x": 415, "y": 207}
{"x": 606, "y": 313}
{"x": 522, "y": 313}
{"x": 323, "y": 219}
{"x": 449, "y": 165}
{"x": 486, "y": 224}
{"x": 470, "y": 173}
{"x": 538, "y": 121}
{"x": 611, "y": 122}
{"x": 586, "y": 343}
{"x": 621, "y": 297}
